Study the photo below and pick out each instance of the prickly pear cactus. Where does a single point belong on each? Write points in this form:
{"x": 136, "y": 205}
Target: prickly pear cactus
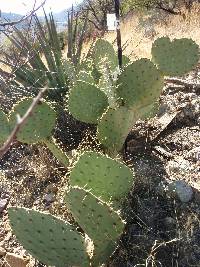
{"x": 57, "y": 151}
{"x": 39, "y": 125}
{"x": 4, "y": 127}
{"x": 104, "y": 53}
{"x": 114, "y": 127}
{"x": 49, "y": 239}
{"x": 175, "y": 57}
{"x": 140, "y": 84}
{"x": 102, "y": 224}
{"x": 87, "y": 102}
{"x": 106, "y": 178}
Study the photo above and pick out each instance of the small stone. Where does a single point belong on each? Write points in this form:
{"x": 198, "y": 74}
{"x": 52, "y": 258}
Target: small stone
{"x": 14, "y": 260}
{"x": 181, "y": 190}
{"x": 3, "y": 204}
{"x": 2, "y": 251}
{"x": 49, "y": 198}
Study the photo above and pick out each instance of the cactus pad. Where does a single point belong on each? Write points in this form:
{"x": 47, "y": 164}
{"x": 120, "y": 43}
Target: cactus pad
{"x": 87, "y": 102}
{"x": 148, "y": 111}
{"x": 125, "y": 60}
{"x": 49, "y": 239}
{"x": 4, "y": 127}
{"x": 114, "y": 127}
{"x": 85, "y": 77}
{"x": 57, "y": 151}
{"x": 97, "y": 219}
{"x": 102, "y": 252}
{"x": 106, "y": 178}
{"x": 140, "y": 83}
{"x": 104, "y": 53}
{"x": 106, "y": 85}
{"x": 38, "y": 126}
{"x": 176, "y": 57}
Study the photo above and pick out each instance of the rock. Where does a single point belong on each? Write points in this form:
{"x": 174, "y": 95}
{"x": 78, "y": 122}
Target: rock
{"x": 3, "y": 204}
{"x": 181, "y": 190}
{"x": 2, "y": 252}
{"x": 49, "y": 198}
{"x": 179, "y": 166}
{"x": 14, "y": 260}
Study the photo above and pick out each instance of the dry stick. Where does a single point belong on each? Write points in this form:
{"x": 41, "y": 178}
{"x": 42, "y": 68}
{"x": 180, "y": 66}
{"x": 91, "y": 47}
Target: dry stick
{"x": 20, "y": 123}
{"x": 12, "y": 23}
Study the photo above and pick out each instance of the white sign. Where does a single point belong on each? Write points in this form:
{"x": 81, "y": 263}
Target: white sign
{"x": 111, "y": 22}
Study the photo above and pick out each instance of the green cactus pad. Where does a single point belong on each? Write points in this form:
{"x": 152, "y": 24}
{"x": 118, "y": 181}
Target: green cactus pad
{"x": 106, "y": 85}
{"x": 125, "y": 60}
{"x": 69, "y": 69}
{"x": 97, "y": 219}
{"x": 87, "y": 102}
{"x": 104, "y": 53}
{"x": 49, "y": 239}
{"x": 4, "y": 127}
{"x": 176, "y": 57}
{"x": 85, "y": 77}
{"x": 93, "y": 215}
{"x": 39, "y": 125}
{"x": 106, "y": 178}
{"x": 96, "y": 75}
{"x": 148, "y": 111}
{"x": 86, "y": 65}
{"x": 114, "y": 127}
{"x": 102, "y": 252}
{"x": 57, "y": 151}
{"x": 140, "y": 84}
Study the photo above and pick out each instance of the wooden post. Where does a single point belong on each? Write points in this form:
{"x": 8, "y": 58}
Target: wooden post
{"x": 119, "y": 42}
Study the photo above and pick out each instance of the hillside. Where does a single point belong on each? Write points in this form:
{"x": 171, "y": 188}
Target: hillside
{"x": 139, "y": 30}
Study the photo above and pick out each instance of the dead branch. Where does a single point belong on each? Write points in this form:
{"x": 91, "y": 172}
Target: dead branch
{"x": 20, "y": 122}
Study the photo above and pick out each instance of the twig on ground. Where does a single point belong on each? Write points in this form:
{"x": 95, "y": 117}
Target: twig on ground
{"x": 20, "y": 123}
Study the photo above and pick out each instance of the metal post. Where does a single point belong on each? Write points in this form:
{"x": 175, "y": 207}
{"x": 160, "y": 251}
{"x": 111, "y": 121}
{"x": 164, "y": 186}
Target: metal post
{"x": 119, "y": 42}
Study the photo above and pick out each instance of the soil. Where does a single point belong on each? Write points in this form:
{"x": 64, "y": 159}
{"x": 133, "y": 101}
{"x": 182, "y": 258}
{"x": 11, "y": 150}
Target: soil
{"x": 161, "y": 230}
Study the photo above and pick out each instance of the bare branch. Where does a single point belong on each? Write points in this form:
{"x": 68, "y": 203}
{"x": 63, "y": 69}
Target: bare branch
{"x": 31, "y": 13}
{"x": 20, "y": 123}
